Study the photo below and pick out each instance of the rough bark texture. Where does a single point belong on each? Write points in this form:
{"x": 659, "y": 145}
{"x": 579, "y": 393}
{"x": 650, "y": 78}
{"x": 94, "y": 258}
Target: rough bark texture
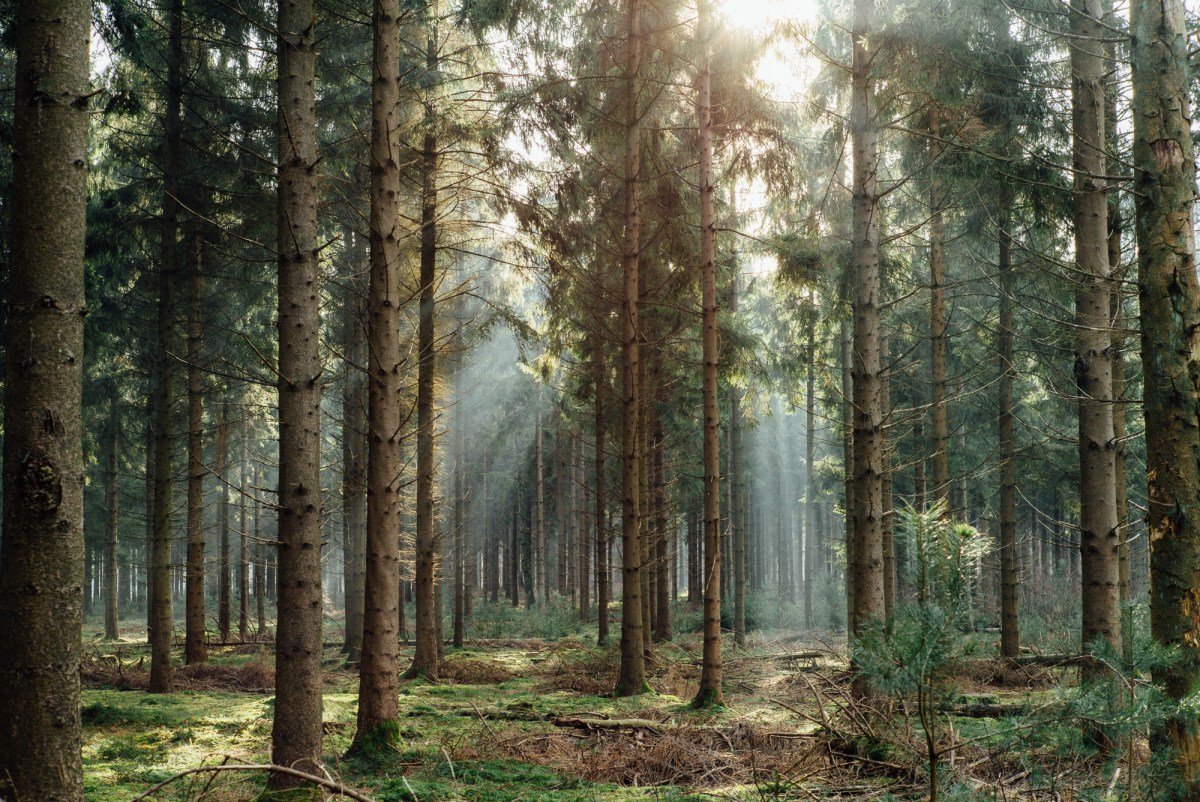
{"x": 195, "y": 643}
{"x": 1010, "y": 636}
{"x": 425, "y": 656}
{"x": 355, "y": 400}
{"x": 243, "y": 534}
{"x": 296, "y": 735}
{"x": 1165, "y": 185}
{"x": 869, "y": 444}
{"x": 43, "y": 550}
{"x": 599, "y": 433}
{"x": 811, "y": 541}
{"x": 160, "y": 615}
{"x": 1099, "y": 567}
{"x": 379, "y": 667}
{"x": 112, "y": 510}
{"x": 220, "y": 468}
{"x": 632, "y": 679}
{"x": 937, "y": 329}
{"x": 737, "y": 485}
{"x": 709, "y": 692}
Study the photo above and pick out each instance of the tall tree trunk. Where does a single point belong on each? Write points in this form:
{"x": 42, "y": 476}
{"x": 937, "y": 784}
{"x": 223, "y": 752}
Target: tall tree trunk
{"x": 243, "y": 535}
{"x": 425, "y": 659}
{"x": 811, "y": 541}
{"x": 709, "y": 693}
{"x": 1010, "y": 637}
{"x": 112, "y": 499}
{"x": 662, "y": 607}
{"x": 459, "y": 500}
{"x": 195, "y": 647}
{"x": 160, "y": 618}
{"x": 599, "y": 432}
{"x": 539, "y": 509}
{"x": 632, "y": 679}
{"x": 1165, "y": 186}
{"x": 583, "y": 547}
{"x": 296, "y": 734}
{"x": 937, "y": 326}
{"x": 737, "y": 487}
{"x": 355, "y": 400}
{"x": 848, "y": 468}
{"x": 42, "y": 550}
{"x": 379, "y": 663}
{"x": 1099, "y": 562}
{"x": 869, "y": 444}
{"x": 260, "y": 568}
{"x": 224, "y": 586}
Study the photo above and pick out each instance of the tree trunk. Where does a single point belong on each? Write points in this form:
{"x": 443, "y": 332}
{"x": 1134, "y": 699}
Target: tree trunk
{"x": 425, "y": 660}
{"x": 112, "y": 499}
{"x": 296, "y": 734}
{"x": 355, "y": 400}
{"x": 709, "y": 693}
{"x": 260, "y": 569}
{"x": 224, "y": 585}
{"x": 848, "y": 469}
{"x": 738, "y": 491}
{"x": 459, "y": 500}
{"x": 1165, "y": 185}
{"x": 599, "y": 432}
{"x": 539, "y": 510}
{"x": 243, "y": 534}
{"x": 160, "y": 618}
{"x": 1010, "y": 638}
{"x": 379, "y": 663}
{"x": 42, "y": 550}
{"x": 937, "y": 326}
{"x": 869, "y": 444}
{"x": 195, "y": 647}
{"x": 632, "y": 679}
{"x": 1099, "y": 563}
{"x": 811, "y": 541}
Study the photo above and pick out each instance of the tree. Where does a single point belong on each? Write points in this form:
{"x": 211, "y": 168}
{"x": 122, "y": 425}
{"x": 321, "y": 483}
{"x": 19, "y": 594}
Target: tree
{"x": 195, "y": 646}
{"x": 159, "y": 603}
{"x": 43, "y": 546}
{"x": 379, "y": 667}
{"x": 1165, "y": 185}
{"x": 1093, "y": 355}
{"x": 866, "y": 569}
{"x": 296, "y": 733}
{"x": 709, "y": 693}
{"x": 632, "y": 679}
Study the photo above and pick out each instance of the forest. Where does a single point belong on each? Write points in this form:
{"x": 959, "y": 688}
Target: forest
{"x": 599, "y": 400}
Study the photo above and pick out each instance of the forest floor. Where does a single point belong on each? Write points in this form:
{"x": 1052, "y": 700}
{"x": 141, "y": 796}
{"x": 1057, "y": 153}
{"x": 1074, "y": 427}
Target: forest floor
{"x": 531, "y": 719}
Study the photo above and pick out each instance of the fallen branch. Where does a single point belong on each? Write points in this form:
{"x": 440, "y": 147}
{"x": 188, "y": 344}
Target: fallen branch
{"x": 321, "y": 782}
{"x": 610, "y": 724}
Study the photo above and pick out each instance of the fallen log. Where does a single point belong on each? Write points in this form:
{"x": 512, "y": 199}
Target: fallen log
{"x": 611, "y": 723}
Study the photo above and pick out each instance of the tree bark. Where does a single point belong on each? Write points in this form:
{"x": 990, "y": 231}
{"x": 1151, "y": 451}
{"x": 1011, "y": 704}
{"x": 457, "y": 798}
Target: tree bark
{"x": 296, "y": 734}
{"x": 379, "y": 664}
{"x": 355, "y": 400}
{"x": 243, "y": 534}
{"x": 1099, "y": 566}
{"x": 159, "y": 632}
{"x": 112, "y": 499}
{"x": 1165, "y": 186}
{"x": 425, "y": 656}
{"x": 709, "y": 693}
{"x": 42, "y": 550}
{"x": 1010, "y": 637}
{"x": 869, "y": 443}
{"x": 937, "y": 327}
{"x": 224, "y": 585}
{"x": 195, "y": 644}
{"x": 599, "y": 433}
{"x": 812, "y": 547}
